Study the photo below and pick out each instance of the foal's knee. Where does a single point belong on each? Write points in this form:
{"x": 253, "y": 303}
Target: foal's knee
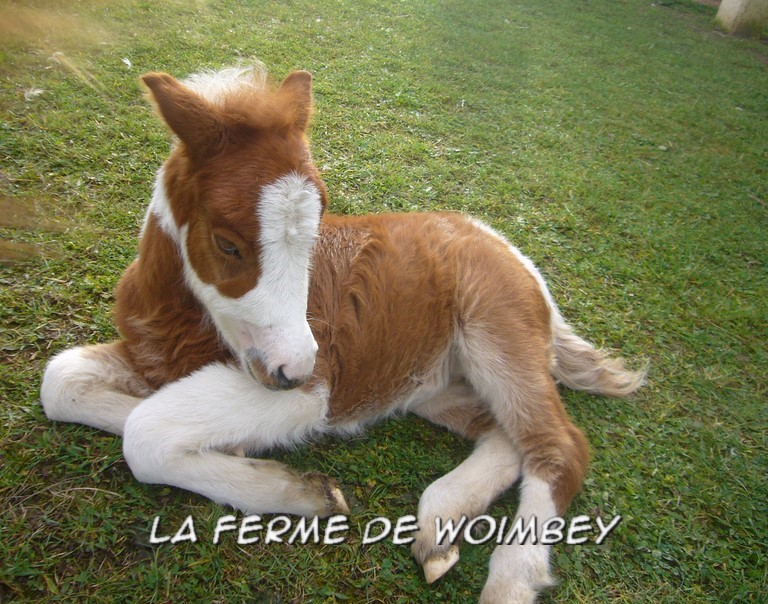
{"x": 92, "y": 385}
{"x": 64, "y": 380}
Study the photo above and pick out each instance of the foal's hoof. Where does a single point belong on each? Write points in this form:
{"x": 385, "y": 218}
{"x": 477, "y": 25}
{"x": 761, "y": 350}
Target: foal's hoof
{"x": 331, "y": 490}
{"x": 339, "y": 503}
{"x": 436, "y": 566}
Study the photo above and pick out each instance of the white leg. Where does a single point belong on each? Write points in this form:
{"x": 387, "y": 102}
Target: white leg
{"x": 189, "y": 433}
{"x": 91, "y": 385}
{"x": 517, "y": 572}
{"x": 467, "y": 491}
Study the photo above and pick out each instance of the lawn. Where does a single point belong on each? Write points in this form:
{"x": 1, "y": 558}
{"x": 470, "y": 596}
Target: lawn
{"x": 621, "y": 144}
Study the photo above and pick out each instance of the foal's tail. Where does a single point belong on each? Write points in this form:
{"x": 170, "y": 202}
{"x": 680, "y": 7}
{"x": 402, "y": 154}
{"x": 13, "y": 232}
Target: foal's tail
{"x": 581, "y": 366}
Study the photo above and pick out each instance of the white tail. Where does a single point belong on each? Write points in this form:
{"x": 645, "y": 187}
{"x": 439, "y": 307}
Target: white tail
{"x": 581, "y": 366}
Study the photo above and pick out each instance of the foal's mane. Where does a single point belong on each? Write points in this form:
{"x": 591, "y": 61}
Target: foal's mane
{"x": 220, "y": 87}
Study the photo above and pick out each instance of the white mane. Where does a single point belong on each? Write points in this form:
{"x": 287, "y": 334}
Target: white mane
{"x": 214, "y": 86}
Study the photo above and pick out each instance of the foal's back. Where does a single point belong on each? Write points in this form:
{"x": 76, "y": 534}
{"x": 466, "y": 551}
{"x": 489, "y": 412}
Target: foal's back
{"x": 391, "y": 296}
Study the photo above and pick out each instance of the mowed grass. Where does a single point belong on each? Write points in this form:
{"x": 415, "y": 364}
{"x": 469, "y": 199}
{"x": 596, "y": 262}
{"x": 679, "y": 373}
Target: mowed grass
{"x": 622, "y": 145}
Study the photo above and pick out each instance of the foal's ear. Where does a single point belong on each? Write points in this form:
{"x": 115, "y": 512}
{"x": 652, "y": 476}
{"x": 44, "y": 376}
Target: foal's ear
{"x": 188, "y": 115}
{"x": 297, "y": 88}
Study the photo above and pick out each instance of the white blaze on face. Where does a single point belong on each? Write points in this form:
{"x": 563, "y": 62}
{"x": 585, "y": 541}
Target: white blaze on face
{"x": 268, "y": 326}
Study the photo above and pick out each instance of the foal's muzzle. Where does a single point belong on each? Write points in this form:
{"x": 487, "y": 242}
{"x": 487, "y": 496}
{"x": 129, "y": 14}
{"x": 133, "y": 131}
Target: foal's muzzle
{"x": 286, "y": 376}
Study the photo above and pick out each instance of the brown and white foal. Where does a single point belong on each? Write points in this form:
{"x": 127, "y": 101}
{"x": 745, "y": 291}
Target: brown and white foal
{"x": 251, "y": 319}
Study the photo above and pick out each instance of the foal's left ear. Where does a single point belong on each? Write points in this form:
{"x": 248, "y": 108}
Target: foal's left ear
{"x": 297, "y": 87}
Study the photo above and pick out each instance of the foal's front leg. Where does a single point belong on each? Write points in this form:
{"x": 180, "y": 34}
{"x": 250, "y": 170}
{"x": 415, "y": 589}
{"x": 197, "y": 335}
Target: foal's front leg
{"x": 92, "y": 385}
{"x": 189, "y": 435}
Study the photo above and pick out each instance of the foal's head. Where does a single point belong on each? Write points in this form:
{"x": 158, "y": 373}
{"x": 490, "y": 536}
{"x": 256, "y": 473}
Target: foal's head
{"x": 245, "y": 202}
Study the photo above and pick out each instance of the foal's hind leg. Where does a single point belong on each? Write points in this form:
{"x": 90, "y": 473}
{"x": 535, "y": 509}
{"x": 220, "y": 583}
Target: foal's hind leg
{"x": 516, "y": 383}
{"x": 471, "y": 487}
{"x": 92, "y": 385}
{"x": 553, "y": 470}
{"x": 189, "y": 434}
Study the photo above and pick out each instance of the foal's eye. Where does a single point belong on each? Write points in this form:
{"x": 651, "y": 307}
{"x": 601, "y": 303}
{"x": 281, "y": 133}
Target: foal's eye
{"x": 226, "y": 246}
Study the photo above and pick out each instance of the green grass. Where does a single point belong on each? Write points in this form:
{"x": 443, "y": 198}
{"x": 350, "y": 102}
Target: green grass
{"x": 623, "y": 145}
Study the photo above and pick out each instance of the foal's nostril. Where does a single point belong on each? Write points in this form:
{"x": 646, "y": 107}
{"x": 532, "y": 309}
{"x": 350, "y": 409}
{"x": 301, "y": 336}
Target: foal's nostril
{"x": 283, "y": 382}
{"x": 281, "y": 379}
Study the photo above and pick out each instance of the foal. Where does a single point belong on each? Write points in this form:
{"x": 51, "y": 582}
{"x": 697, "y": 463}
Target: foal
{"x": 251, "y": 319}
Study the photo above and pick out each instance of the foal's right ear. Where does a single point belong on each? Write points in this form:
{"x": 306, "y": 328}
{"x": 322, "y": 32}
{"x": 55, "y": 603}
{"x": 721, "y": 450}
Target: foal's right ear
{"x": 297, "y": 87}
{"x": 190, "y": 117}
